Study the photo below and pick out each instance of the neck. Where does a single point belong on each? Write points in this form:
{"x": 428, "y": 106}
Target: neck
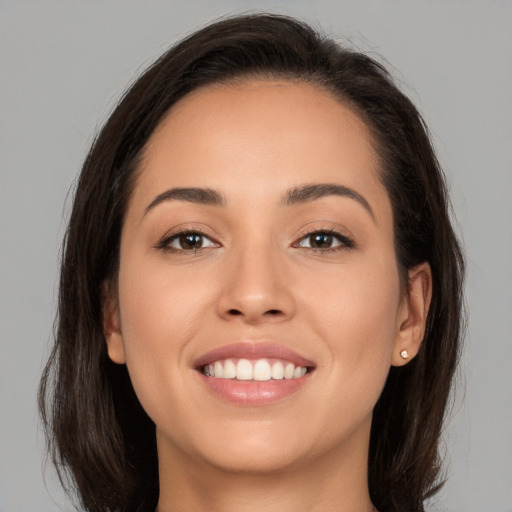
{"x": 336, "y": 483}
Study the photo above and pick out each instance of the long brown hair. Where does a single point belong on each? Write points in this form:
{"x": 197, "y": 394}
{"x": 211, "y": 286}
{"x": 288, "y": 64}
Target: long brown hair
{"x": 101, "y": 440}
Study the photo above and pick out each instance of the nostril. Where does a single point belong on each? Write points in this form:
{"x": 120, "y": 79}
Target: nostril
{"x": 237, "y": 312}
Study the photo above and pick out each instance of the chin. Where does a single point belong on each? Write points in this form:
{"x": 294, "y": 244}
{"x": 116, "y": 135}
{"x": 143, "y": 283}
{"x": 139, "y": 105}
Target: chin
{"x": 246, "y": 448}
{"x": 246, "y": 459}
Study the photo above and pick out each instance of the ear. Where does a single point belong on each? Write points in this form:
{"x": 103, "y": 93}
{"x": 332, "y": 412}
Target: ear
{"x": 112, "y": 324}
{"x": 412, "y": 315}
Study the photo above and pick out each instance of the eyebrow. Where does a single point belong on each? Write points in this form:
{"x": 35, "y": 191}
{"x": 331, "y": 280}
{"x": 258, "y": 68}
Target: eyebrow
{"x": 197, "y": 195}
{"x": 308, "y": 193}
{"x": 294, "y": 196}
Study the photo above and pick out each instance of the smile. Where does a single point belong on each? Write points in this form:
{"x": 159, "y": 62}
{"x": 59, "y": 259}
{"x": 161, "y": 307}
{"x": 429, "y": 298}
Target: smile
{"x": 257, "y": 370}
{"x": 253, "y": 373}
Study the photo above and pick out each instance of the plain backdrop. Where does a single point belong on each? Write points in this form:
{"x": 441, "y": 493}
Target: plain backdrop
{"x": 63, "y": 65}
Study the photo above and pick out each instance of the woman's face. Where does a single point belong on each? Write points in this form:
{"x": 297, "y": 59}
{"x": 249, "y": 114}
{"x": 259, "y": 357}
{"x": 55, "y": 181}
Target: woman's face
{"x": 258, "y": 236}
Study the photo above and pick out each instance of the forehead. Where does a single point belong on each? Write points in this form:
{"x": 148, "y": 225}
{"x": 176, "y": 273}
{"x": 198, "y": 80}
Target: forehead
{"x": 260, "y": 109}
{"x": 275, "y": 133}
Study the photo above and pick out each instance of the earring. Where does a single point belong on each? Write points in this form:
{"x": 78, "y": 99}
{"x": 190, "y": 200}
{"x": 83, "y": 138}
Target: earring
{"x": 404, "y": 354}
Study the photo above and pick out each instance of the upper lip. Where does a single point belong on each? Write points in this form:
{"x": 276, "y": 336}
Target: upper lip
{"x": 252, "y": 350}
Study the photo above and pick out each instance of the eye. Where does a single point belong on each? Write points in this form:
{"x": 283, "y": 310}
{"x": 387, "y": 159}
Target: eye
{"x": 325, "y": 240}
{"x": 187, "y": 241}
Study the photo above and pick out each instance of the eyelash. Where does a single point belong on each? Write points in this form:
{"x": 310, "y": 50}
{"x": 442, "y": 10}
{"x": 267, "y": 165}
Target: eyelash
{"x": 345, "y": 242}
{"x": 165, "y": 243}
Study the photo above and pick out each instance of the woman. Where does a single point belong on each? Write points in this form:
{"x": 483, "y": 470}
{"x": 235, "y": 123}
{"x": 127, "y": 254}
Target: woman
{"x": 260, "y": 298}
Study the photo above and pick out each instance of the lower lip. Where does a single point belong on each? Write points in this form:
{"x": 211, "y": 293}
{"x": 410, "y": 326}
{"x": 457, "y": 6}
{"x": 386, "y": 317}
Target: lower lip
{"x": 253, "y": 392}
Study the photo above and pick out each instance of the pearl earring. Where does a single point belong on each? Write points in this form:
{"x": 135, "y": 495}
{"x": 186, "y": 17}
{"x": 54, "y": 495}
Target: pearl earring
{"x": 404, "y": 354}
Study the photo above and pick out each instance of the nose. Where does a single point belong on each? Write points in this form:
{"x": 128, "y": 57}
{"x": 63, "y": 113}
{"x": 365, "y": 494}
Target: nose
{"x": 257, "y": 286}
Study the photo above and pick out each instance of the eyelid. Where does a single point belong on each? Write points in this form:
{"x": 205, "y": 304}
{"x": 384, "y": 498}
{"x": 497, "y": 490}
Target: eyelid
{"x": 165, "y": 241}
{"x": 346, "y": 240}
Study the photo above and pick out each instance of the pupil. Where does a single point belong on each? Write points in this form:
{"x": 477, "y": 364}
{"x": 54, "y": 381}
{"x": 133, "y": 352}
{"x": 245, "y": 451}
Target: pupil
{"x": 321, "y": 240}
{"x": 190, "y": 241}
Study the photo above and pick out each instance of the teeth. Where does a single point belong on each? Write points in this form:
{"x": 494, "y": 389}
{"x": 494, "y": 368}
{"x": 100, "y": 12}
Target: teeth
{"x": 259, "y": 370}
{"x": 296, "y": 373}
{"x": 218, "y": 369}
{"x": 243, "y": 370}
{"x": 229, "y": 369}
{"x": 277, "y": 371}
{"x": 289, "y": 371}
{"x": 262, "y": 370}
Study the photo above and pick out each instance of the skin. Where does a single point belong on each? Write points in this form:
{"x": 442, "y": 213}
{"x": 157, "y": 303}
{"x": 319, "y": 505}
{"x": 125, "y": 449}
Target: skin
{"x": 341, "y": 307}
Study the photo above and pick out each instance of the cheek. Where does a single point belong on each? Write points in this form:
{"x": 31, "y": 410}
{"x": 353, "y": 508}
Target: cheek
{"x": 355, "y": 311}
{"x": 160, "y": 313}
{"x": 159, "y": 304}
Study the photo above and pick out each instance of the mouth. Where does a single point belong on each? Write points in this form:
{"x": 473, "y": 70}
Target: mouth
{"x": 253, "y": 373}
{"x": 260, "y": 370}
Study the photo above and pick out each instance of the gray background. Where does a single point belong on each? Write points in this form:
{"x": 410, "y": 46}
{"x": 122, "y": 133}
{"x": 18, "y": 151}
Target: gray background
{"x": 63, "y": 64}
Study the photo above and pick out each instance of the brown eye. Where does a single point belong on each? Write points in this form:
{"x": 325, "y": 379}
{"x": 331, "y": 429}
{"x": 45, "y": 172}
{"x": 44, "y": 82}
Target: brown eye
{"x": 321, "y": 241}
{"x": 325, "y": 240}
{"x": 189, "y": 242}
